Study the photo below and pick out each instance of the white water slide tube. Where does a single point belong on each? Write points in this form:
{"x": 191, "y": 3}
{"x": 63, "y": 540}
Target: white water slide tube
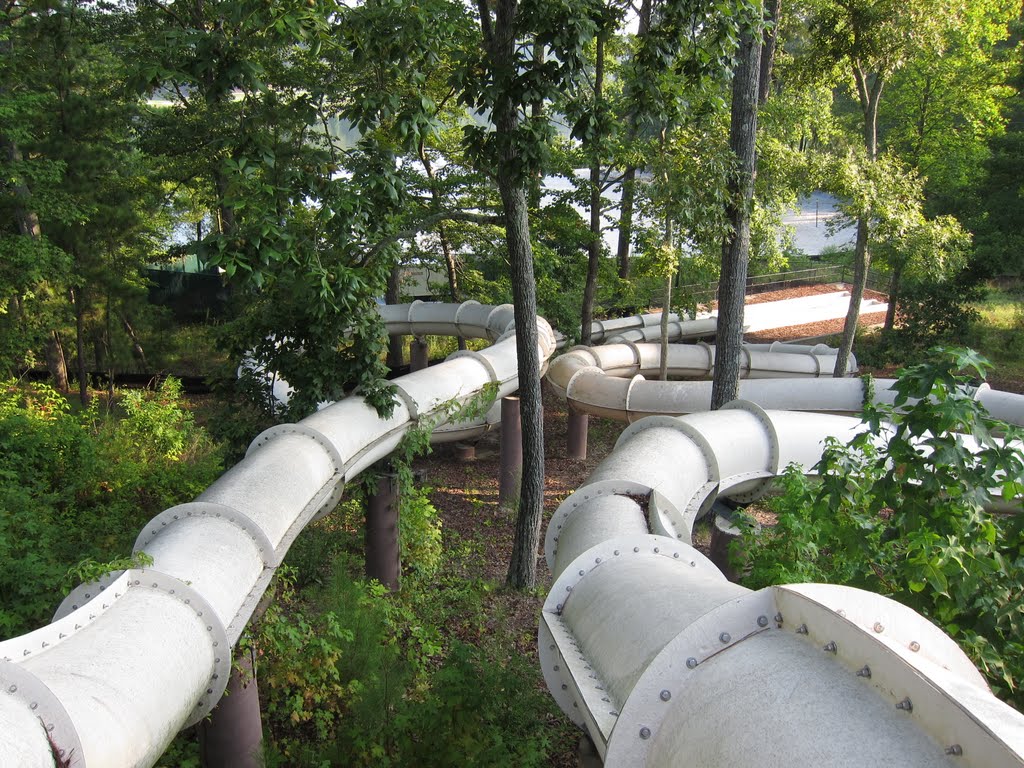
{"x": 646, "y": 645}
{"x": 609, "y": 381}
{"x": 128, "y": 663}
{"x": 757, "y": 317}
{"x": 648, "y": 328}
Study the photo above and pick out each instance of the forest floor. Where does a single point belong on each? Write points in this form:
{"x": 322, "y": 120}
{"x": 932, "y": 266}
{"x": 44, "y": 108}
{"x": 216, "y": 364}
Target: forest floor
{"x": 465, "y": 492}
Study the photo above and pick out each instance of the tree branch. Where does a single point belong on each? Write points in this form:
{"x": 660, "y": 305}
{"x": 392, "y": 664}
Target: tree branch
{"x": 180, "y": 22}
{"x": 485, "y": 23}
{"x": 428, "y": 222}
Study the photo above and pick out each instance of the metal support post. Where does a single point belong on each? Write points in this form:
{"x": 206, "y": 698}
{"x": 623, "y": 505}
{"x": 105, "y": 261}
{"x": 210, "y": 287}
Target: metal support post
{"x": 382, "y": 557}
{"x": 511, "y": 470}
{"x": 232, "y": 736}
{"x": 576, "y": 439}
{"x": 418, "y": 354}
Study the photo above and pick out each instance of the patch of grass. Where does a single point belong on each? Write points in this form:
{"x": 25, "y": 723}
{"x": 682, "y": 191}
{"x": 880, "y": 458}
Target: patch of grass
{"x": 999, "y": 334}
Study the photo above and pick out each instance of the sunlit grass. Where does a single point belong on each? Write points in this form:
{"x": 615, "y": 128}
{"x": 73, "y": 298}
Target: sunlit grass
{"x": 999, "y": 334}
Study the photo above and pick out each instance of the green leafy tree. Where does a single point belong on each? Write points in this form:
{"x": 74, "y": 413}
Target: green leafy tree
{"x": 869, "y": 41}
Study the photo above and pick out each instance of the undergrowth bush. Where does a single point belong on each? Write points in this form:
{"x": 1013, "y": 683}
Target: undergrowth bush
{"x": 912, "y": 516}
{"x": 75, "y": 488}
{"x": 353, "y": 675}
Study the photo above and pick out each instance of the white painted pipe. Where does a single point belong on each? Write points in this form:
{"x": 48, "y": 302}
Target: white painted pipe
{"x": 609, "y": 381}
{"x": 646, "y": 645}
{"x": 129, "y": 661}
{"x": 678, "y": 330}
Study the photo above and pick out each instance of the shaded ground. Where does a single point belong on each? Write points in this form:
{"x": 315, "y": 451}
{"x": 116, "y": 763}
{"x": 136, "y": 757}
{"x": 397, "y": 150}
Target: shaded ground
{"x": 466, "y": 495}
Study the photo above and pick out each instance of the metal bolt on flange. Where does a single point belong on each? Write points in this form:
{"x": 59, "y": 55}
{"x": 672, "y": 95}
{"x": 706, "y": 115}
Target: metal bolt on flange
{"x": 830, "y": 647}
{"x": 906, "y": 705}
{"x": 725, "y": 637}
{"x": 691, "y": 663}
{"x": 666, "y": 695}
{"x": 955, "y": 750}
{"x": 864, "y": 671}
{"x": 802, "y": 629}
{"x": 878, "y": 627}
{"x": 915, "y": 646}
{"x": 778, "y": 618}
{"x": 762, "y": 621}
{"x": 645, "y": 732}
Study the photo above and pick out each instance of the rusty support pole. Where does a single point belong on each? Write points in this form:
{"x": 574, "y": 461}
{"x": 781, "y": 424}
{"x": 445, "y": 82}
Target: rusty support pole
{"x": 232, "y": 736}
{"x": 418, "y": 354}
{"x": 511, "y": 470}
{"x": 576, "y": 439}
{"x": 465, "y": 451}
{"x": 382, "y": 557}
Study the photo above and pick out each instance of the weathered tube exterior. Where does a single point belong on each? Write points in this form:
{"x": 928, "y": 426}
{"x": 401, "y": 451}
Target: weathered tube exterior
{"x": 610, "y": 381}
{"x": 131, "y": 660}
{"x": 647, "y": 646}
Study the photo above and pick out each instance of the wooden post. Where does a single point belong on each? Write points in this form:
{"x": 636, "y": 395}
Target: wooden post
{"x": 418, "y": 354}
{"x": 576, "y": 438}
{"x": 382, "y": 556}
{"x": 232, "y": 736}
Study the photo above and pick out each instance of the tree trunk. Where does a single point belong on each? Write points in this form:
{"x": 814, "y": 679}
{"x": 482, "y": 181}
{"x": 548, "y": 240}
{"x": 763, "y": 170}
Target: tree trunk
{"x": 869, "y": 92}
{"x": 626, "y": 221}
{"x": 522, "y": 569}
{"x": 736, "y": 247}
{"x": 861, "y": 263}
{"x": 628, "y": 187}
{"x": 396, "y": 353}
{"x": 773, "y": 14}
{"x": 81, "y": 371}
{"x": 450, "y": 265}
{"x": 894, "y": 296}
{"x": 56, "y": 362}
{"x": 594, "y": 246}
{"x": 137, "y": 351}
{"x": 27, "y": 219}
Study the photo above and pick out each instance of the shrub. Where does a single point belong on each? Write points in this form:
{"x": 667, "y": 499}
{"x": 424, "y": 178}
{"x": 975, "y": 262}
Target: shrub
{"x": 913, "y": 518}
{"x": 76, "y": 488}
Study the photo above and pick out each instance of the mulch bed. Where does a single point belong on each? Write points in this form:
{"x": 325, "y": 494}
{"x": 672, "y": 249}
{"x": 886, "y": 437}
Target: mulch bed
{"x": 810, "y": 330}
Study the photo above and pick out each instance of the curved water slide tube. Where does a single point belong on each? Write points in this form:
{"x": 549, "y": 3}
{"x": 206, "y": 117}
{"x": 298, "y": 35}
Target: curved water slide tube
{"x": 130, "y": 661}
{"x": 609, "y": 381}
{"x": 646, "y": 645}
{"x": 648, "y": 328}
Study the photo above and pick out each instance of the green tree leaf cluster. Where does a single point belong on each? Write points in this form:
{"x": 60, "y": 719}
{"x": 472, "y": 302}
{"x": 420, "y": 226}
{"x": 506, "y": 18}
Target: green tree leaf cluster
{"x": 914, "y": 508}
{"x": 76, "y": 487}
